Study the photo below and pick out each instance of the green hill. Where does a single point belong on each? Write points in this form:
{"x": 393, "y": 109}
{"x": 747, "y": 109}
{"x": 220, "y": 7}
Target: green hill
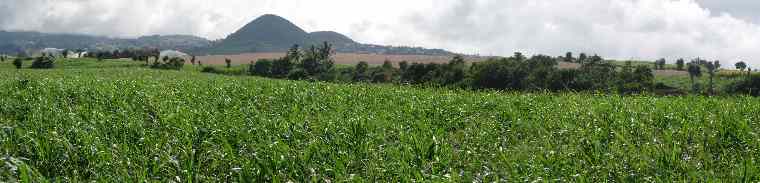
{"x": 332, "y": 37}
{"x": 272, "y": 33}
{"x": 14, "y": 42}
{"x": 268, "y": 33}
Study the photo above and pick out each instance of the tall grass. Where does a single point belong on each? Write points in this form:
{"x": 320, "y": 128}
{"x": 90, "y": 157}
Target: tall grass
{"x": 134, "y": 124}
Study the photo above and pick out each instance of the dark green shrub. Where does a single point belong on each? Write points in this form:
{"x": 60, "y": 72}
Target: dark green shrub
{"x": 209, "y": 69}
{"x": 262, "y": 67}
{"x": 18, "y": 62}
{"x": 749, "y": 86}
{"x": 175, "y": 63}
{"x": 43, "y": 63}
{"x": 298, "y": 74}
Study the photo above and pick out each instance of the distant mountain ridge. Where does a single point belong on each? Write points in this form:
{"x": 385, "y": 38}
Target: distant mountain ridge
{"x": 268, "y": 33}
{"x": 15, "y": 42}
{"x": 272, "y": 33}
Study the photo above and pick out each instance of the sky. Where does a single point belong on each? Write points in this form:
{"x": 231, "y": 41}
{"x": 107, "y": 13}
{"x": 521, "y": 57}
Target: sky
{"x": 725, "y": 30}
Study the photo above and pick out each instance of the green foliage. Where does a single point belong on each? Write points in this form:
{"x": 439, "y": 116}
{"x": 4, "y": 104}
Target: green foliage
{"x": 741, "y": 65}
{"x": 749, "y": 86}
{"x": 660, "y": 64}
{"x": 142, "y": 125}
{"x": 635, "y": 80}
{"x": 711, "y": 67}
{"x": 582, "y": 58}
{"x": 568, "y": 57}
{"x": 282, "y": 67}
{"x": 209, "y": 69}
{"x": 18, "y": 62}
{"x": 262, "y": 67}
{"x": 385, "y": 73}
{"x": 317, "y": 60}
{"x": 43, "y": 63}
{"x": 596, "y": 74}
{"x": 680, "y": 64}
{"x": 174, "y": 63}
{"x": 695, "y": 70}
{"x": 360, "y": 72}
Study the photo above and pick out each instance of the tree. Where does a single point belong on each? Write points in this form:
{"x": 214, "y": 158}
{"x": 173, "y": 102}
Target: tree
{"x": 192, "y": 60}
{"x": 317, "y": 60}
{"x": 659, "y": 64}
{"x": 18, "y": 62}
{"x": 695, "y": 71}
{"x": 281, "y": 67}
{"x": 596, "y": 74}
{"x": 741, "y": 65}
{"x": 636, "y": 80}
{"x": 360, "y": 71}
{"x": 262, "y": 67}
{"x": 174, "y": 63}
{"x": 43, "y": 63}
{"x": 518, "y": 56}
{"x": 385, "y": 73}
{"x": 2, "y": 58}
{"x": 679, "y": 64}
{"x": 403, "y": 65}
{"x": 569, "y": 57}
{"x": 711, "y": 67}
{"x": 582, "y": 58}
{"x": 100, "y": 56}
{"x": 749, "y": 86}
{"x": 65, "y": 53}
{"x": 228, "y": 62}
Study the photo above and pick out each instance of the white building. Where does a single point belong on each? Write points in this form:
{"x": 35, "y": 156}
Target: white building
{"x": 173, "y": 53}
{"x": 52, "y": 51}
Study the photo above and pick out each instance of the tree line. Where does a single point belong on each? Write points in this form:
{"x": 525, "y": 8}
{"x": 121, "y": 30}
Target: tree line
{"x": 514, "y": 73}
{"x": 518, "y": 73}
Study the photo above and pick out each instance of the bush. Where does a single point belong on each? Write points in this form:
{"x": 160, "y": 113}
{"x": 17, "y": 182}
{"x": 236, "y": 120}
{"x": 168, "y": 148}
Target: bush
{"x": 262, "y": 67}
{"x": 18, "y": 62}
{"x": 281, "y": 67}
{"x": 298, "y": 74}
{"x": 43, "y": 63}
{"x": 498, "y": 74}
{"x": 749, "y": 86}
{"x": 209, "y": 69}
{"x": 175, "y": 63}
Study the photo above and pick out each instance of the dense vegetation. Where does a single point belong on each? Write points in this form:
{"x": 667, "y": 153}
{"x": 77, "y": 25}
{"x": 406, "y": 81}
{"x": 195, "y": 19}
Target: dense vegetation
{"x": 515, "y": 73}
{"x": 116, "y": 121}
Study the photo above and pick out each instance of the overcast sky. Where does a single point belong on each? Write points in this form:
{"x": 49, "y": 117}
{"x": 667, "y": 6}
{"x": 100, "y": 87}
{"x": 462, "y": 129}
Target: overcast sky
{"x": 728, "y": 30}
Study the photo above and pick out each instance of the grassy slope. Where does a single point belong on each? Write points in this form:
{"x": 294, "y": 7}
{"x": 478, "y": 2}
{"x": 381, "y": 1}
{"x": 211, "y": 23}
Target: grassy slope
{"x": 132, "y": 124}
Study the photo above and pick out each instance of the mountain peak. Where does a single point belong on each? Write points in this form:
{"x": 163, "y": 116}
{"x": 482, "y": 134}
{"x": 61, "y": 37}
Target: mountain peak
{"x": 265, "y": 33}
{"x": 272, "y": 33}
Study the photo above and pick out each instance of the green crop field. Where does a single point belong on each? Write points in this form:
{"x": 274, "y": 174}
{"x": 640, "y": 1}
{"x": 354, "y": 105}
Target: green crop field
{"x": 117, "y": 122}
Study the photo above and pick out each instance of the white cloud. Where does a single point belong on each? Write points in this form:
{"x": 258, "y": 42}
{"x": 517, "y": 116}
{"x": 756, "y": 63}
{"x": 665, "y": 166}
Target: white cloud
{"x": 637, "y": 29}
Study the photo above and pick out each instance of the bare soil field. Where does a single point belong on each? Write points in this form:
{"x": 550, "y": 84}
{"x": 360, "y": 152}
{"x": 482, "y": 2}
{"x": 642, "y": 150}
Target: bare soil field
{"x": 340, "y": 58}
